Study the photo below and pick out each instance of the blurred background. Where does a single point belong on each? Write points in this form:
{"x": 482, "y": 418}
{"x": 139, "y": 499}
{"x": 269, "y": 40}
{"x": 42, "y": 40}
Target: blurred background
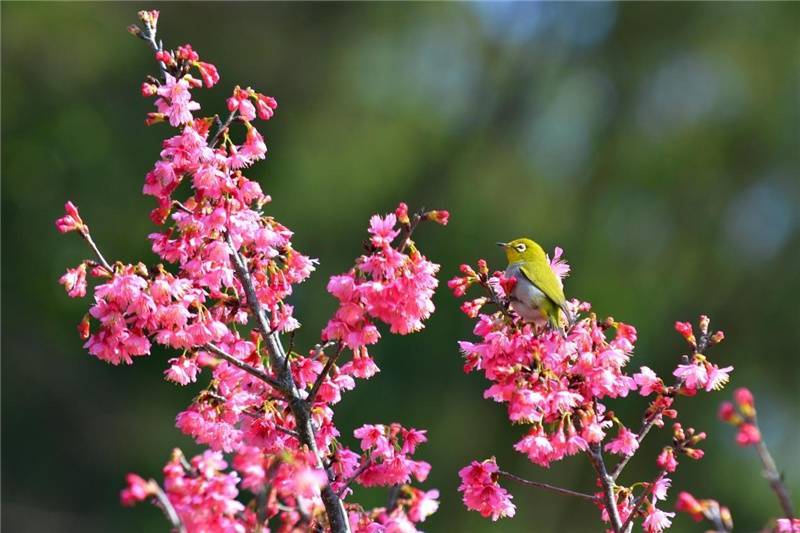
{"x": 657, "y": 144}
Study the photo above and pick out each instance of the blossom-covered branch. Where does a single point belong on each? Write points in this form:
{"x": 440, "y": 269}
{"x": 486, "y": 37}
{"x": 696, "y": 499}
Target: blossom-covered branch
{"x": 220, "y": 298}
{"x": 559, "y": 385}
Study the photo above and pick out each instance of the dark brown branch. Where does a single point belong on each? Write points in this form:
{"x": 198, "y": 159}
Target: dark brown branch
{"x": 547, "y": 486}
{"x": 222, "y": 128}
{"x": 639, "y": 501}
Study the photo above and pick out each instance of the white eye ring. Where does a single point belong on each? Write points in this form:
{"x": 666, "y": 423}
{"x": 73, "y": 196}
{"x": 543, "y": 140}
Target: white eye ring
{"x": 520, "y": 248}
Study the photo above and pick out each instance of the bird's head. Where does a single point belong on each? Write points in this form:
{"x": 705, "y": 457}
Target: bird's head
{"x": 523, "y": 250}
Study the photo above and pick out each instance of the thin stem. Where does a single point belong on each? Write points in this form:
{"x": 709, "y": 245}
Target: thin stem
{"x": 640, "y": 500}
{"x": 394, "y": 497}
{"x": 222, "y": 128}
{"x": 322, "y": 375}
{"x": 149, "y": 36}
{"x": 169, "y": 510}
{"x": 352, "y": 478}
{"x": 547, "y": 486}
{"x": 88, "y": 238}
{"x": 609, "y": 498}
{"x": 772, "y": 475}
{"x": 646, "y": 427}
{"x": 253, "y": 371}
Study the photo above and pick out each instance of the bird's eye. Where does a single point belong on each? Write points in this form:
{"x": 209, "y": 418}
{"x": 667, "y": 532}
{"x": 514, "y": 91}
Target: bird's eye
{"x": 520, "y": 248}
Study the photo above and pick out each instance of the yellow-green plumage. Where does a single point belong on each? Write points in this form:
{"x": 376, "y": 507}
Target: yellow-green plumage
{"x": 538, "y": 292}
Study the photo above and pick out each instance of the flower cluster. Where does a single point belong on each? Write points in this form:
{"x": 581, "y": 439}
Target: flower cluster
{"x": 225, "y": 263}
{"x": 559, "y": 386}
{"x": 710, "y": 510}
{"x": 386, "y": 284}
{"x": 481, "y": 491}
{"x": 744, "y": 419}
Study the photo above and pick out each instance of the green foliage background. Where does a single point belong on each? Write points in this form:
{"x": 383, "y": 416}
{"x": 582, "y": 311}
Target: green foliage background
{"x": 656, "y": 143}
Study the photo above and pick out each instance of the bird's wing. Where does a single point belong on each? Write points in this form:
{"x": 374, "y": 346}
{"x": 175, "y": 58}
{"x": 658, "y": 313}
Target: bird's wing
{"x": 546, "y": 281}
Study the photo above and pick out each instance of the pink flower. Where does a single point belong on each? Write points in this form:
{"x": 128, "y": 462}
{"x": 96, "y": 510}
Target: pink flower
{"x": 626, "y": 442}
{"x": 558, "y": 265}
{"x": 74, "y": 281}
{"x": 71, "y": 221}
{"x": 727, "y": 412}
{"x": 648, "y": 381}
{"x": 788, "y": 525}
{"x": 423, "y": 504}
{"x": 137, "y": 490}
{"x": 693, "y": 375}
{"x": 744, "y": 397}
{"x": 717, "y": 377}
{"x": 183, "y": 370}
{"x": 748, "y": 435}
{"x": 666, "y": 460}
{"x": 687, "y": 503}
{"x": 656, "y": 520}
{"x": 482, "y": 493}
{"x": 208, "y": 72}
{"x": 176, "y": 101}
{"x": 661, "y": 486}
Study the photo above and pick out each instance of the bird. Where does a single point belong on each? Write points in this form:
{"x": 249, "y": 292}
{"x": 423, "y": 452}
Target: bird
{"x": 537, "y": 296}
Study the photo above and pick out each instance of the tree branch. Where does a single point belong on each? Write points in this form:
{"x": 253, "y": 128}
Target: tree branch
{"x": 300, "y": 409}
{"x": 595, "y": 454}
{"x": 169, "y": 510}
{"x": 253, "y": 371}
{"x": 772, "y": 475}
{"x": 547, "y": 486}
{"x": 325, "y": 371}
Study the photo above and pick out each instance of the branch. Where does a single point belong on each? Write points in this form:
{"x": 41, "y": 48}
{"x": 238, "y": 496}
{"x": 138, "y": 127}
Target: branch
{"x": 639, "y": 500}
{"x": 168, "y": 509}
{"x": 546, "y": 486}
{"x": 222, "y": 128}
{"x": 646, "y": 427}
{"x": 88, "y": 238}
{"x": 322, "y": 375}
{"x": 253, "y": 371}
{"x": 300, "y": 409}
{"x": 352, "y": 478}
{"x": 609, "y": 498}
{"x": 772, "y": 475}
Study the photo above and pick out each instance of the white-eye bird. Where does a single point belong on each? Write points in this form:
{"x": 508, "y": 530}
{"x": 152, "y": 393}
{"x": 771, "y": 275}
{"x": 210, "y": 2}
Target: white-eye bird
{"x": 538, "y": 296}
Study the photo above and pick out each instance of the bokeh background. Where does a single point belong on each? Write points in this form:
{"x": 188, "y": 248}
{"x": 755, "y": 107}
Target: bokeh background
{"x": 656, "y": 143}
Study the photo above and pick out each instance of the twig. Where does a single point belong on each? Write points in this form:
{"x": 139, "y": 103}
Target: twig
{"x": 639, "y": 500}
{"x": 547, "y": 486}
{"x": 405, "y": 233}
{"x": 253, "y": 371}
{"x": 355, "y": 475}
{"x": 609, "y": 498}
{"x": 222, "y": 128}
{"x": 169, "y": 510}
{"x": 322, "y": 375}
{"x": 394, "y": 496}
{"x": 772, "y": 475}
{"x": 88, "y": 238}
{"x": 646, "y": 427}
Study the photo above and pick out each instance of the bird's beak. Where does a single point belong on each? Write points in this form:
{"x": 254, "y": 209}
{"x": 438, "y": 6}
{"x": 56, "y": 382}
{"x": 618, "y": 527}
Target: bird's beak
{"x": 502, "y": 244}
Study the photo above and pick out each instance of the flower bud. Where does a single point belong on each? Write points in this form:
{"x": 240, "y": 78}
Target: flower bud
{"x": 666, "y": 460}
{"x": 717, "y": 337}
{"x": 135, "y": 30}
{"x": 149, "y": 89}
{"x": 440, "y": 217}
{"x": 83, "y": 327}
{"x": 402, "y": 215}
{"x": 727, "y": 412}
{"x": 688, "y": 504}
{"x": 685, "y": 329}
{"x": 748, "y": 435}
{"x": 704, "y": 320}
